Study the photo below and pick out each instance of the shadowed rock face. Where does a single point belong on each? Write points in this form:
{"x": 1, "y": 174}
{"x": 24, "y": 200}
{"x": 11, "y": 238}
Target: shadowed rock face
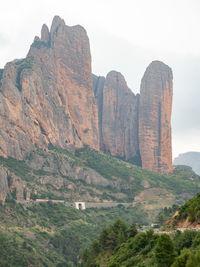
{"x": 155, "y": 118}
{"x": 118, "y": 115}
{"x": 4, "y": 188}
{"x": 48, "y": 97}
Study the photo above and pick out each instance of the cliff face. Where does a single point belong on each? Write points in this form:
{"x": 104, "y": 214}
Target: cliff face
{"x": 52, "y": 97}
{"x": 155, "y": 118}
{"x": 118, "y": 115}
{"x": 48, "y": 96}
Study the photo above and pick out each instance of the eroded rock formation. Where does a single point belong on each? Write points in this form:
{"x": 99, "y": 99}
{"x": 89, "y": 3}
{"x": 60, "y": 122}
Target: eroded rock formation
{"x": 48, "y": 96}
{"x": 155, "y": 118}
{"x": 52, "y": 97}
{"x": 118, "y": 115}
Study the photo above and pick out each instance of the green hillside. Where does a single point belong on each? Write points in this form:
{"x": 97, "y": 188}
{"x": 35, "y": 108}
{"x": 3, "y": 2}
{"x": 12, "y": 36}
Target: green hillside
{"x": 190, "y": 211}
{"x": 109, "y": 167}
{"x": 122, "y": 246}
{"x": 91, "y": 176}
{"x": 52, "y": 234}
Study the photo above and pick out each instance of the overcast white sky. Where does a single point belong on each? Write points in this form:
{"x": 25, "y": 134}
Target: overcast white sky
{"x": 125, "y": 35}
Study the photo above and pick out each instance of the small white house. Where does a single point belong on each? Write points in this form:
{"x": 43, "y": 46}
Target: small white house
{"x": 80, "y": 205}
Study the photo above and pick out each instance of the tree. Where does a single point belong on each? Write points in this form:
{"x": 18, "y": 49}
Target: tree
{"x": 193, "y": 260}
{"x": 182, "y": 259}
{"x": 132, "y": 231}
{"x": 184, "y": 240}
{"x": 164, "y": 251}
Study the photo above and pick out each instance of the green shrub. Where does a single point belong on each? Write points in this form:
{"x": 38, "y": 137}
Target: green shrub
{"x": 19, "y": 167}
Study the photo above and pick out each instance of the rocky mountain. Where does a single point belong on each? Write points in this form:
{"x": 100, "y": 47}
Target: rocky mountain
{"x": 51, "y": 97}
{"x": 118, "y": 116}
{"x": 191, "y": 159}
{"x": 48, "y": 96}
{"x": 155, "y": 118}
{"x": 137, "y": 128}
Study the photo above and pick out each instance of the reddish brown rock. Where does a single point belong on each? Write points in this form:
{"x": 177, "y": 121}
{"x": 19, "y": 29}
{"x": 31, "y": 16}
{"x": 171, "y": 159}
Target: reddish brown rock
{"x": 98, "y": 86}
{"x": 118, "y": 116}
{"x": 155, "y": 118}
{"x": 48, "y": 96}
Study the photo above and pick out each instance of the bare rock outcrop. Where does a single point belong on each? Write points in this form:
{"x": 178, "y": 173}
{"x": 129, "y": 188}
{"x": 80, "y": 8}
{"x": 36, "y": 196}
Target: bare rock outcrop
{"x": 155, "y": 118}
{"x": 118, "y": 115}
{"x": 52, "y": 97}
{"x": 48, "y": 96}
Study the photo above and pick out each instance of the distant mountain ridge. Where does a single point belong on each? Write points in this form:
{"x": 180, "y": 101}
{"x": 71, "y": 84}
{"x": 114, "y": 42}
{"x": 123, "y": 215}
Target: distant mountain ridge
{"x": 191, "y": 159}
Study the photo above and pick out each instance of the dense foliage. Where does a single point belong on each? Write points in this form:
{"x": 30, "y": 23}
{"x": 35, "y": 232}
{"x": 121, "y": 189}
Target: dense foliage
{"x": 190, "y": 210}
{"x": 166, "y": 213}
{"x": 115, "y": 247}
{"x": 52, "y": 234}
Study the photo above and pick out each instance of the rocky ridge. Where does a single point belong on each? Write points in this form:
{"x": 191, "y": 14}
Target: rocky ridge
{"x": 137, "y": 128}
{"x": 52, "y": 97}
{"x": 48, "y": 97}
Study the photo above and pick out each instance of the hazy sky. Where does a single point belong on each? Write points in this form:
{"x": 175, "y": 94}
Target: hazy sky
{"x": 125, "y": 36}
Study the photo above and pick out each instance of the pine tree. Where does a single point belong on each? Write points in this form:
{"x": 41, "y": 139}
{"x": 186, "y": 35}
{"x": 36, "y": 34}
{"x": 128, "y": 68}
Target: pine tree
{"x": 164, "y": 252}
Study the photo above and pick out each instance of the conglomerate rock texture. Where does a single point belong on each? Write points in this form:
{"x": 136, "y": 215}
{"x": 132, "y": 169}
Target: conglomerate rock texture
{"x": 155, "y": 118}
{"x": 51, "y": 96}
{"x": 118, "y": 116}
{"x": 48, "y": 96}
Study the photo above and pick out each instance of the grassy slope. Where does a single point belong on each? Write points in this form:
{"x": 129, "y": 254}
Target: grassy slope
{"x": 110, "y": 167}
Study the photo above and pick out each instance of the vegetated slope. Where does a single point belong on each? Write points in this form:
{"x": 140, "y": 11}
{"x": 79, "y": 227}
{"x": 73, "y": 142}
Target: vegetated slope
{"x": 51, "y": 234}
{"x": 188, "y": 215}
{"x": 119, "y": 245}
{"x": 88, "y": 175}
{"x": 191, "y": 159}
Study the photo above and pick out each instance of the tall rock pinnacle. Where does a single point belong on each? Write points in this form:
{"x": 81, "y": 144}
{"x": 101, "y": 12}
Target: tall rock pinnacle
{"x": 118, "y": 116}
{"x": 155, "y": 118}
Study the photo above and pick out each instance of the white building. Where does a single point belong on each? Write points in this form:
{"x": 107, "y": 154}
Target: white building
{"x": 80, "y": 205}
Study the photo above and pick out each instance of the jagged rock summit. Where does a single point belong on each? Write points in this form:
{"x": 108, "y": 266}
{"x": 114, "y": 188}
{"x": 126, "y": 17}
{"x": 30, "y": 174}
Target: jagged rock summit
{"x": 118, "y": 116}
{"x": 51, "y": 96}
{"x": 48, "y": 96}
{"x": 137, "y": 128}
